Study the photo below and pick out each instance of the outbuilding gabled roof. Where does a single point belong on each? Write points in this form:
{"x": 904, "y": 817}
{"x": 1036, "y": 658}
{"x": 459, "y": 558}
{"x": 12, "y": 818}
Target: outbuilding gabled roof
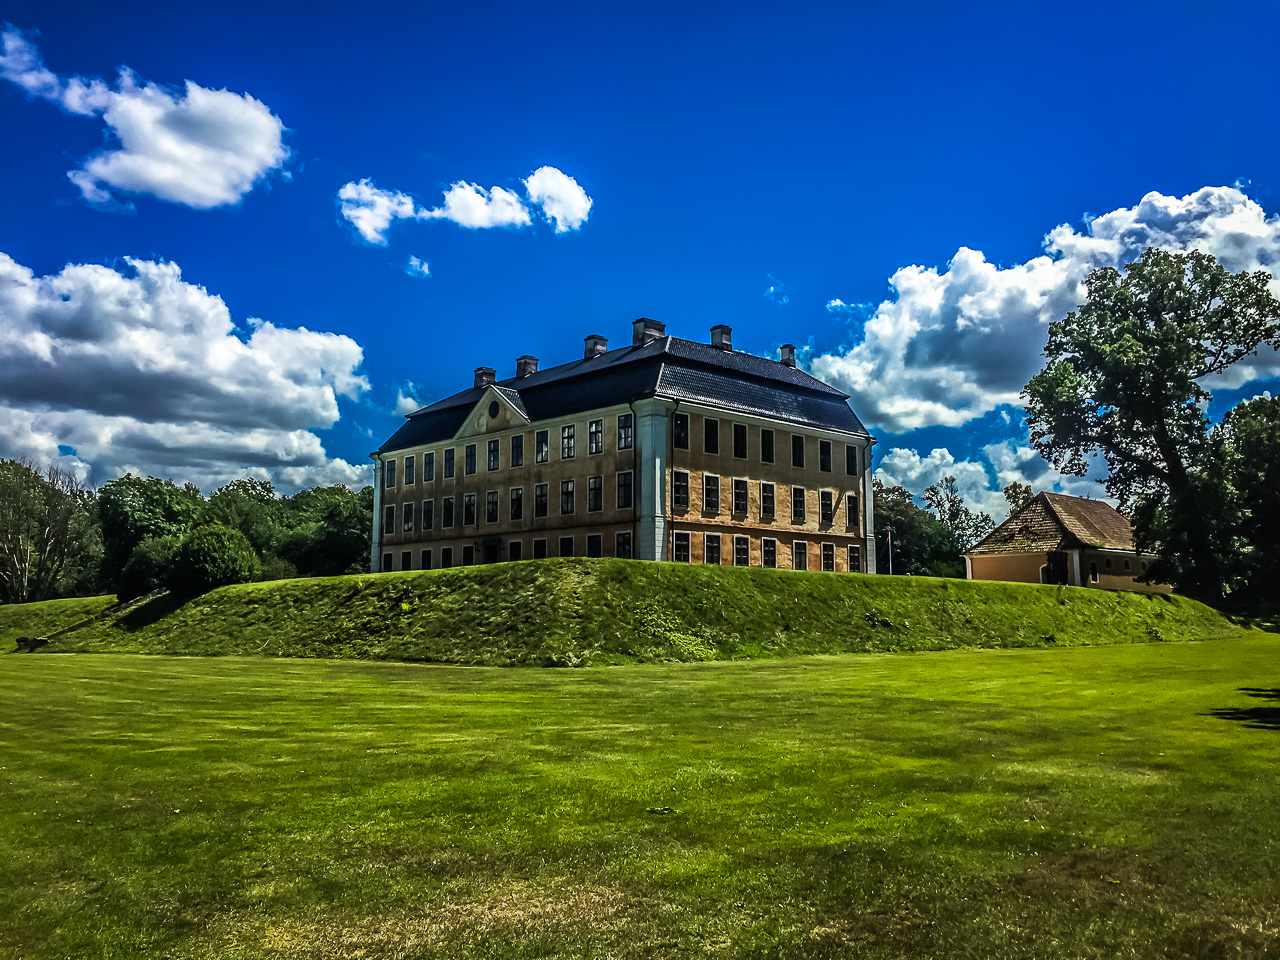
{"x": 1055, "y": 521}
{"x": 666, "y": 367}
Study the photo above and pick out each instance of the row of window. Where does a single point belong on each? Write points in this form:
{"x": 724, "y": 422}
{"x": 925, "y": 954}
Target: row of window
{"x": 412, "y": 518}
{"x": 712, "y": 542}
{"x": 827, "y": 503}
{"x": 466, "y": 555}
{"x": 711, "y": 444}
{"x": 493, "y": 452}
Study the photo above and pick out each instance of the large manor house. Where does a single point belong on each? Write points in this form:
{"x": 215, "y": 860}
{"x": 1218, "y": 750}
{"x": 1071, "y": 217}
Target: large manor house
{"x": 664, "y": 449}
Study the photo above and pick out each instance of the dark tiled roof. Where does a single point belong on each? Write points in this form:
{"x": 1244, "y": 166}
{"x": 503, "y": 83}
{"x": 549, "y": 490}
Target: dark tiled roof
{"x": 1055, "y": 521}
{"x": 667, "y": 367}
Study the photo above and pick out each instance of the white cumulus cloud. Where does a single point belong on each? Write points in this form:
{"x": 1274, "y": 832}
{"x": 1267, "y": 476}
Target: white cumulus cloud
{"x": 195, "y": 146}
{"x": 959, "y": 342}
{"x": 562, "y": 200}
{"x": 471, "y": 205}
{"x": 417, "y": 268}
{"x": 370, "y": 209}
{"x": 137, "y": 369}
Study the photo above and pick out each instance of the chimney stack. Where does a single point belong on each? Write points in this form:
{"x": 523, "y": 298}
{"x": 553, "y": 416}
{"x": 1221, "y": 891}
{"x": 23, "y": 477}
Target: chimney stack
{"x": 484, "y": 376}
{"x": 787, "y": 354}
{"x": 526, "y": 366}
{"x": 645, "y": 331}
{"x": 594, "y": 345}
{"x": 722, "y": 336}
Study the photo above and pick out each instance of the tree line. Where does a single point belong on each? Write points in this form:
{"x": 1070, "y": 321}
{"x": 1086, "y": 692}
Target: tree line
{"x": 58, "y": 538}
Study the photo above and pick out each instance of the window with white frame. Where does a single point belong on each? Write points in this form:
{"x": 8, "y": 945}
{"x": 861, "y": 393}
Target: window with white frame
{"x": 566, "y": 546}
{"x": 428, "y": 514}
{"x": 407, "y": 522}
{"x": 740, "y": 441}
{"x": 595, "y": 494}
{"x": 446, "y": 512}
{"x": 855, "y": 559}
{"x": 622, "y": 545}
{"x": 426, "y": 559}
{"x": 409, "y": 462}
{"x": 567, "y": 505}
{"x": 448, "y": 463}
{"x": 491, "y": 507}
{"x": 850, "y": 460}
{"x": 766, "y": 500}
{"x": 517, "y": 450}
{"x": 517, "y": 503}
{"x": 428, "y": 467}
{"x": 495, "y": 454}
{"x": 468, "y": 509}
{"x": 595, "y": 545}
{"x": 711, "y": 548}
{"x": 567, "y": 442}
{"x": 710, "y": 493}
{"x": 742, "y": 551}
{"x": 768, "y": 552}
{"x": 595, "y": 437}
{"x": 541, "y": 447}
{"x": 824, "y": 456}
{"x": 470, "y": 459}
{"x": 829, "y": 557}
{"x": 797, "y": 504}
{"x": 389, "y": 520}
{"x": 826, "y": 505}
{"x": 766, "y": 445}
{"x": 740, "y": 496}
{"x": 851, "y": 511}
{"x": 710, "y": 435}
{"x": 679, "y": 490}
{"x": 626, "y": 432}
{"x": 625, "y": 498}
{"x": 800, "y": 555}
{"x": 681, "y": 547}
{"x": 680, "y": 431}
{"x": 389, "y": 473}
{"x": 539, "y": 500}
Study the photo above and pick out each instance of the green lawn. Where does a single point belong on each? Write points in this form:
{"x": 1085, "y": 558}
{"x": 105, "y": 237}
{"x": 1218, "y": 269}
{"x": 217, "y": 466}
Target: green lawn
{"x": 1086, "y": 802}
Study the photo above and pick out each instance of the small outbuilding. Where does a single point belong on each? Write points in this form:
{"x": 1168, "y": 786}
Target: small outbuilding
{"x": 1055, "y": 538}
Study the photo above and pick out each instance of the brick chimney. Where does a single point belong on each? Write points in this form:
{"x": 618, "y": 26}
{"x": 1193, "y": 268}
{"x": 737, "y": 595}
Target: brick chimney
{"x": 526, "y": 366}
{"x": 594, "y": 345}
{"x": 722, "y": 336}
{"x": 484, "y": 376}
{"x": 645, "y": 331}
{"x": 787, "y": 354}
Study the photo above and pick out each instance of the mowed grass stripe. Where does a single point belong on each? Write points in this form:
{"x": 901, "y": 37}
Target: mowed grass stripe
{"x": 1085, "y": 802}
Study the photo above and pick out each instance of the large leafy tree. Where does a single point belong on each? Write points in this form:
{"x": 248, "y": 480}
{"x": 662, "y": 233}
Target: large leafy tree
{"x": 132, "y": 509}
{"x": 1125, "y": 381}
{"x": 912, "y": 540}
{"x": 967, "y": 526}
{"x": 46, "y": 531}
{"x": 1245, "y": 490}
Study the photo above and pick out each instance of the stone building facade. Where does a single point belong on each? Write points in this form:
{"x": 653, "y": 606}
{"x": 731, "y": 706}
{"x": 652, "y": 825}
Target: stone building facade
{"x": 663, "y": 450}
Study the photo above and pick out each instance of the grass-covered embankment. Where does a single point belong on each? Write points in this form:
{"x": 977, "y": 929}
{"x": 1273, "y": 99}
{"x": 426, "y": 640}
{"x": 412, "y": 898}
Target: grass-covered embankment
{"x": 1095, "y": 802}
{"x": 46, "y": 617}
{"x": 575, "y": 612}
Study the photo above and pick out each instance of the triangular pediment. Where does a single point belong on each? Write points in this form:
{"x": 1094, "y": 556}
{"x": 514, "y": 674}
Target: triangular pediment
{"x": 498, "y": 409}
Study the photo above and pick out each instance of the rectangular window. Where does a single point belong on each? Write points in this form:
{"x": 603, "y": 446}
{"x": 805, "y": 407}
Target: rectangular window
{"x": 387, "y": 565}
{"x": 390, "y": 473}
{"x": 406, "y": 560}
{"x": 595, "y": 438}
{"x": 740, "y": 497}
{"x": 711, "y": 548}
{"x": 540, "y": 500}
{"x": 829, "y": 557}
{"x": 826, "y": 506}
{"x": 428, "y": 467}
{"x": 446, "y": 557}
{"x": 388, "y": 521}
{"x": 407, "y": 510}
{"x": 517, "y": 450}
{"x": 682, "y": 548}
{"x": 540, "y": 549}
{"x": 495, "y": 458}
{"x": 426, "y": 559}
{"x": 517, "y": 503}
{"x": 566, "y": 546}
{"x": 567, "y": 442}
{"x": 680, "y": 431}
{"x": 566, "y": 497}
{"x": 851, "y": 459}
{"x": 468, "y": 509}
{"x": 491, "y": 507}
{"x": 768, "y": 553}
{"x": 851, "y": 511}
{"x": 797, "y": 450}
{"x": 471, "y": 459}
{"x": 428, "y": 514}
{"x": 710, "y": 494}
{"x": 622, "y": 545}
{"x": 799, "y": 555}
{"x": 766, "y": 445}
{"x": 855, "y": 559}
{"x": 515, "y": 549}
{"x": 595, "y": 545}
{"x": 679, "y": 490}
{"x": 448, "y": 463}
{"x": 742, "y": 551}
{"x": 740, "y": 441}
{"x": 595, "y": 494}
{"x": 797, "y": 504}
{"x": 409, "y": 462}
{"x": 446, "y": 512}
{"x": 710, "y": 435}
{"x": 626, "y": 432}
{"x": 766, "y": 500}
{"x": 624, "y": 490}
{"x": 468, "y": 555}
{"x": 824, "y": 456}
{"x": 541, "y": 447}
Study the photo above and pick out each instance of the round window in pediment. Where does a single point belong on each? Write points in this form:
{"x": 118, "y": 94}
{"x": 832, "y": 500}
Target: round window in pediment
{"x": 493, "y": 409}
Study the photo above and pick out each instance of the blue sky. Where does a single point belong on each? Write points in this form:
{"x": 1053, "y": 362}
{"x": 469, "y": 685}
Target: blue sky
{"x": 909, "y": 191}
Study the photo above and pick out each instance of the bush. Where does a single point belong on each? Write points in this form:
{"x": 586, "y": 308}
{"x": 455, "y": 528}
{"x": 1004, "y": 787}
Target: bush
{"x": 148, "y": 567}
{"x": 277, "y": 568}
{"x": 210, "y": 557}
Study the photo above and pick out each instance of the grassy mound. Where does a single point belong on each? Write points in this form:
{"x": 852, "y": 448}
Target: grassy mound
{"x": 47, "y": 617}
{"x": 576, "y": 611}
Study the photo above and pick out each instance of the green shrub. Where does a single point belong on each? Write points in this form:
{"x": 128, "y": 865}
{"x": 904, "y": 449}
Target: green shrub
{"x": 210, "y": 557}
{"x": 148, "y": 567}
{"x": 277, "y": 568}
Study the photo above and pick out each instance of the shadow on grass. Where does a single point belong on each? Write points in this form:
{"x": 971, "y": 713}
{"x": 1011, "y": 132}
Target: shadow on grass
{"x": 1259, "y": 718}
{"x": 151, "y": 611}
